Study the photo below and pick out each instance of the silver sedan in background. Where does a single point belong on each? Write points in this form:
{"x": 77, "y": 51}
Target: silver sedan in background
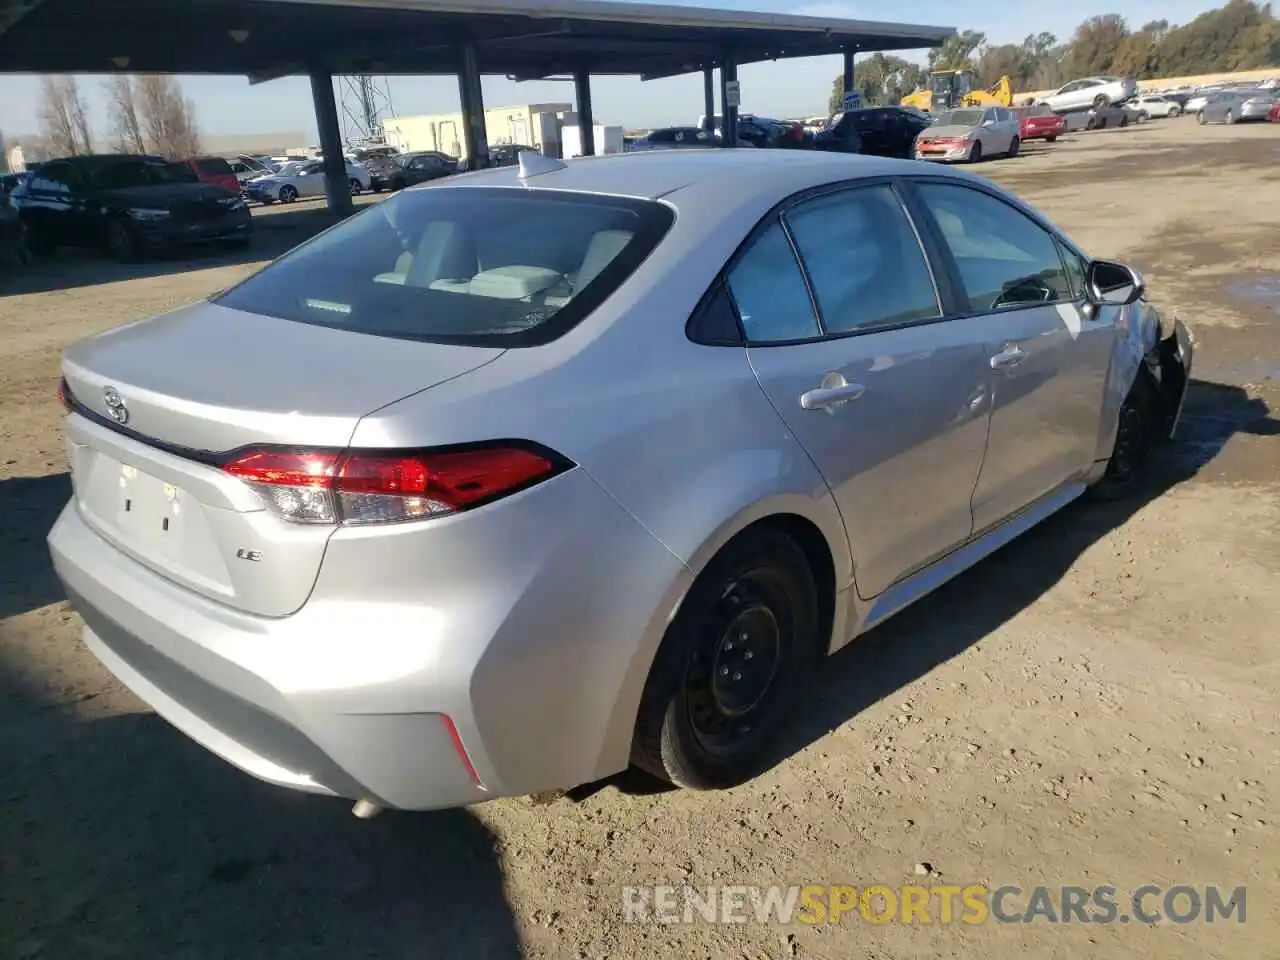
{"x": 533, "y": 473}
{"x": 1232, "y": 106}
{"x": 970, "y": 134}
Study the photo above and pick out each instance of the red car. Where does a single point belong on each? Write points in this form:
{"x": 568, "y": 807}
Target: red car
{"x": 213, "y": 170}
{"x": 1039, "y": 123}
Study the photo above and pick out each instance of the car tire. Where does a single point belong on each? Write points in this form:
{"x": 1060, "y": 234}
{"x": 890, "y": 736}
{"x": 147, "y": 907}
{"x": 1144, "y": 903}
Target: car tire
{"x": 288, "y": 193}
{"x": 397, "y": 184}
{"x": 1136, "y": 431}
{"x": 1101, "y": 100}
{"x": 121, "y": 243}
{"x": 356, "y": 187}
{"x": 1142, "y": 116}
{"x": 1229, "y": 118}
{"x": 1014, "y": 146}
{"x": 1201, "y": 118}
{"x": 1124, "y": 120}
{"x": 975, "y": 152}
{"x": 731, "y": 666}
{"x": 1174, "y": 111}
{"x": 1051, "y": 138}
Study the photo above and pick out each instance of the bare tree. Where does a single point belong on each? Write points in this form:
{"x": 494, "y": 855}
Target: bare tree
{"x": 63, "y": 120}
{"x": 122, "y": 109}
{"x": 168, "y": 119}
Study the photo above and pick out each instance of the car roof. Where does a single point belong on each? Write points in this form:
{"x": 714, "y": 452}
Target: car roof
{"x": 697, "y": 172}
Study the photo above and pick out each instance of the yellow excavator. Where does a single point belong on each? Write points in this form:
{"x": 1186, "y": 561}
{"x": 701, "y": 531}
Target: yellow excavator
{"x": 949, "y": 89}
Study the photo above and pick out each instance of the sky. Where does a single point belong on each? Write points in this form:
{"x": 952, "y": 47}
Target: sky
{"x": 229, "y": 105}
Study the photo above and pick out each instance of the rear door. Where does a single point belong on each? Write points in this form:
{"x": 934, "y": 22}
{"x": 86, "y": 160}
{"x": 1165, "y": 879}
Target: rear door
{"x": 1047, "y": 356}
{"x": 886, "y": 397}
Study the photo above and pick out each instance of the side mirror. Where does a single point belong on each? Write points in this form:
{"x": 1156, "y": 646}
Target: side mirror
{"x": 1114, "y": 284}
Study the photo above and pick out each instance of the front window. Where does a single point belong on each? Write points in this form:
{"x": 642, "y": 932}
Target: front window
{"x": 486, "y": 266}
{"x": 1005, "y": 259}
{"x": 960, "y": 118}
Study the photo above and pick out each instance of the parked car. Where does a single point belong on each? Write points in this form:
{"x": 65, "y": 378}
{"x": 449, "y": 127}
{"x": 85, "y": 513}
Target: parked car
{"x": 215, "y": 170}
{"x": 301, "y": 180}
{"x": 419, "y": 167}
{"x": 9, "y": 181}
{"x": 247, "y": 168}
{"x": 875, "y": 131}
{"x": 507, "y": 154}
{"x": 1039, "y": 123}
{"x": 1237, "y": 106}
{"x": 1091, "y": 92}
{"x": 1099, "y": 118}
{"x": 13, "y": 235}
{"x": 401, "y": 518}
{"x": 127, "y": 204}
{"x": 668, "y": 138}
{"x": 379, "y": 160}
{"x": 970, "y": 134}
{"x": 1154, "y": 105}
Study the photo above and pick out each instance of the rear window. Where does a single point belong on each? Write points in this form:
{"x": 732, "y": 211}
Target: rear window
{"x": 213, "y": 165}
{"x": 481, "y": 266}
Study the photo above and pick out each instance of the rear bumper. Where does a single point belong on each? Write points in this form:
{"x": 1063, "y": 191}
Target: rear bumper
{"x": 538, "y": 665}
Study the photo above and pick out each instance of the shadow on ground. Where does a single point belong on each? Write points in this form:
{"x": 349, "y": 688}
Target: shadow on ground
{"x": 172, "y": 853}
{"x": 276, "y": 230}
{"x": 29, "y": 505}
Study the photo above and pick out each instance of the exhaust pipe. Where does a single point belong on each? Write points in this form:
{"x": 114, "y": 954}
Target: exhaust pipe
{"x": 366, "y": 809}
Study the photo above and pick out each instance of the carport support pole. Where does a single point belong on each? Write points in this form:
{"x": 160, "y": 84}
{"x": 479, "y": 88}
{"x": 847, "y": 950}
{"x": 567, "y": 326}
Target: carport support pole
{"x": 709, "y": 98}
{"x": 337, "y": 189}
{"x": 848, "y": 71}
{"x": 586, "y": 123}
{"x": 472, "y": 99}
{"x": 729, "y": 125}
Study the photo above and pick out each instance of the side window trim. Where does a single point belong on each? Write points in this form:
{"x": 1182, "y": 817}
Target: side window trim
{"x": 960, "y": 301}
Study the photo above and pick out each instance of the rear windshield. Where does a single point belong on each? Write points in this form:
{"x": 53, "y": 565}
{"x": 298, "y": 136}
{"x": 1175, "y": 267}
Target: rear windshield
{"x": 483, "y": 266}
{"x": 214, "y": 165}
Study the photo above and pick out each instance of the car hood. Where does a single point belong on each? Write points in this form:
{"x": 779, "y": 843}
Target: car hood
{"x": 947, "y": 131}
{"x": 162, "y": 194}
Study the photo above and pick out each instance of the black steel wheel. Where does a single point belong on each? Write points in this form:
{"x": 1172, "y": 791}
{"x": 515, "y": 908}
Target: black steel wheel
{"x": 288, "y": 193}
{"x": 1136, "y": 432}
{"x": 730, "y": 666}
{"x": 121, "y": 243}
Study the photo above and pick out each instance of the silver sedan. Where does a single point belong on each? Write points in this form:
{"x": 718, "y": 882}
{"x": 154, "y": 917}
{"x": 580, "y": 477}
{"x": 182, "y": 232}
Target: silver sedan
{"x": 1237, "y": 105}
{"x": 971, "y": 134}
{"x": 530, "y": 474}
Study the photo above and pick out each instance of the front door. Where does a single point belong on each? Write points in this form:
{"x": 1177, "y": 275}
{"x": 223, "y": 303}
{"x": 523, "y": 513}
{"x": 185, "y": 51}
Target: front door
{"x": 888, "y": 399}
{"x": 1047, "y": 355}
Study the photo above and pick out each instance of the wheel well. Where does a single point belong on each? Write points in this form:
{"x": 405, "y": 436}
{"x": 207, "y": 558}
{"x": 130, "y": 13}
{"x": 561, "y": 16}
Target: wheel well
{"x": 814, "y": 546}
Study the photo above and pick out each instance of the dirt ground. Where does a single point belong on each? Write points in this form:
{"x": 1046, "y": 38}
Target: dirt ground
{"x": 1097, "y": 704}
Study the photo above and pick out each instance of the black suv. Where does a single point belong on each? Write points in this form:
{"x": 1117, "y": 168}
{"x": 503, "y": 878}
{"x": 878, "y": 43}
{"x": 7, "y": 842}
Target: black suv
{"x": 126, "y": 204}
{"x": 878, "y": 131}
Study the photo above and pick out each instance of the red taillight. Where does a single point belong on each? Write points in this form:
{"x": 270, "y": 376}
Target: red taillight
{"x": 360, "y": 487}
{"x": 64, "y": 394}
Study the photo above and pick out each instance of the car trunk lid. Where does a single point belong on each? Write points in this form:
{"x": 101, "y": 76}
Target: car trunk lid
{"x": 164, "y": 400}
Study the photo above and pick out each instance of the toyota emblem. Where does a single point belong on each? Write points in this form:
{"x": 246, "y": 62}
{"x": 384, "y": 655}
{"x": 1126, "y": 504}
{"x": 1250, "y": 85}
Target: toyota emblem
{"x": 115, "y": 405}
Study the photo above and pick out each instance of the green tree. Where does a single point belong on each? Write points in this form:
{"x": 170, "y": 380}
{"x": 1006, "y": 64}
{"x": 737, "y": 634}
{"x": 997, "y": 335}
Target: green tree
{"x": 1094, "y": 45}
{"x": 881, "y": 79}
{"x": 956, "y": 53}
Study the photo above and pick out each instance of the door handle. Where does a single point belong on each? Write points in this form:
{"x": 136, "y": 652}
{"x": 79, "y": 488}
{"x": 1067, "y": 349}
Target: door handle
{"x": 834, "y": 392}
{"x": 1010, "y": 356}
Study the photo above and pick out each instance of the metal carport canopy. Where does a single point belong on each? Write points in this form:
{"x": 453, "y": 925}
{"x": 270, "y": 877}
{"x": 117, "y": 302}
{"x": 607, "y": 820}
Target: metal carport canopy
{"x": 524, "y": 39}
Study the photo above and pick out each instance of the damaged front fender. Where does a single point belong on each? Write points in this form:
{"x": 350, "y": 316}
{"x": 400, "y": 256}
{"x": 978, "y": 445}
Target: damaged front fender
{"x": 1147, "y": 346}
